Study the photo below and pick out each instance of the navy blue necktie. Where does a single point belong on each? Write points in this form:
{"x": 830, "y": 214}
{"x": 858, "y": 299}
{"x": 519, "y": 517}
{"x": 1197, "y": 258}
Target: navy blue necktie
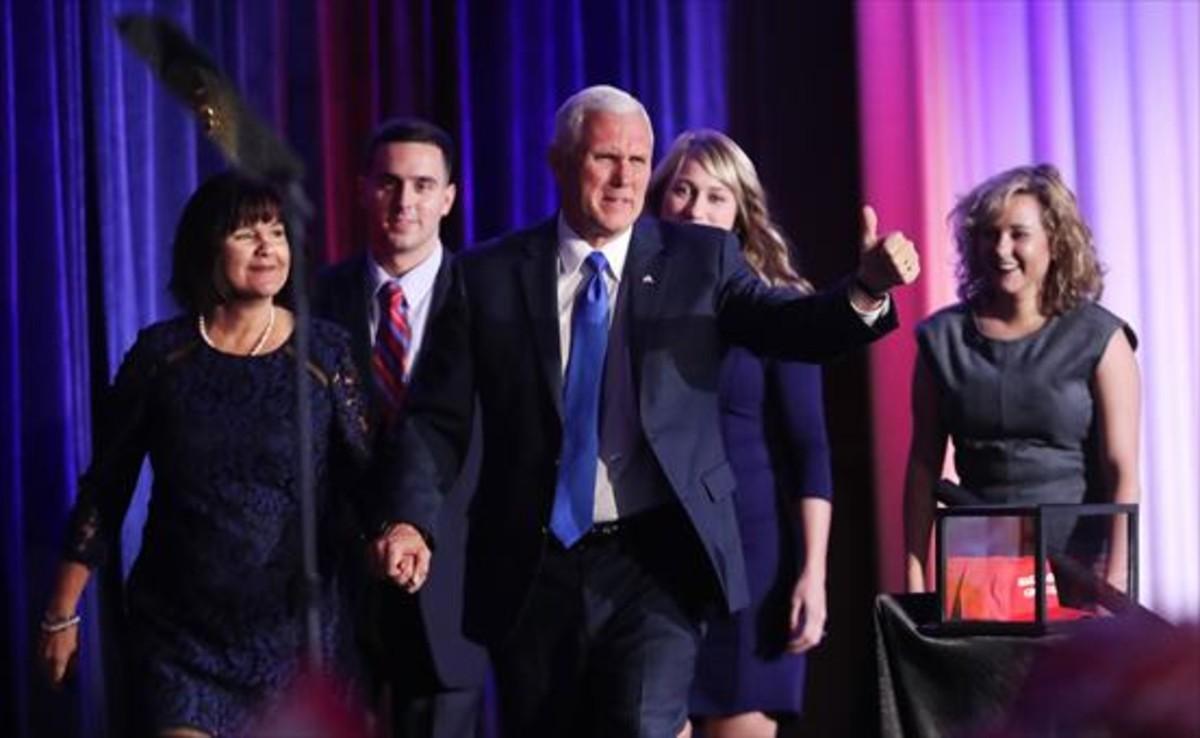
{"x": 575, "y": 489}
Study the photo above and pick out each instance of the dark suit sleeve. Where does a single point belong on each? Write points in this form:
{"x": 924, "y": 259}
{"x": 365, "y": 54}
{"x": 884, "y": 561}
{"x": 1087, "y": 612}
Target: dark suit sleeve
{"x": 424, "y": 452}
{"x": 778, "y": 323}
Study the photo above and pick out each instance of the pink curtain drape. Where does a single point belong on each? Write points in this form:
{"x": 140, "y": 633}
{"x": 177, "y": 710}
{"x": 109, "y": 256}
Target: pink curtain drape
{"x": 953, "y": 92}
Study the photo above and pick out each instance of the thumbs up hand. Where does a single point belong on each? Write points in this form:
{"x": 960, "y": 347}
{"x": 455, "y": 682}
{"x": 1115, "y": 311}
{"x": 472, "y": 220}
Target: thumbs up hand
{"x": 870, "y": 226}
{"x": 885, "y": 262}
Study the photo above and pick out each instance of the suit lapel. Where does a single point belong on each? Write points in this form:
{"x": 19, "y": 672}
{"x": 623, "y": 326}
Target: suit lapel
{"x": 441, "y": 285}
{"x": 539, "y": 279}
{"x": 645, "y": 283}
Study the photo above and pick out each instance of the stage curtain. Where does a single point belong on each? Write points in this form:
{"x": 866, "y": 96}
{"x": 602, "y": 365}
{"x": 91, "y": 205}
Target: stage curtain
{"x": 98, "y": 160}
{"x": 45, "y": 386}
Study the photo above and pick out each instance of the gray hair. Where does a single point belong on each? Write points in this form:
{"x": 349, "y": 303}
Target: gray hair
{"x": 568, "y": 121}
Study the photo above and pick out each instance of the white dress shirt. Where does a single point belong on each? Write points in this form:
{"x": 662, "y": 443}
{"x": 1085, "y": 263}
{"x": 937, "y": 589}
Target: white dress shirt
{"x": 417, "y": 284}
{"x": 572, "y": 251}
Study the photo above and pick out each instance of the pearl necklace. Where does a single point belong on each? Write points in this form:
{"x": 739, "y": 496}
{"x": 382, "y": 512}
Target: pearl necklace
{"x": 258, "y": 346}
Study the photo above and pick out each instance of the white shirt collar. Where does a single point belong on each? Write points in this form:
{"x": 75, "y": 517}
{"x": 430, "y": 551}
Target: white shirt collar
{"x": 572, "y": 250}
{"x": 416, "y": 282}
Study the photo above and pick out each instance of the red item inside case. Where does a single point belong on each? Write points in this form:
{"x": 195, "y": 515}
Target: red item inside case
{"x": 999, "y": 588}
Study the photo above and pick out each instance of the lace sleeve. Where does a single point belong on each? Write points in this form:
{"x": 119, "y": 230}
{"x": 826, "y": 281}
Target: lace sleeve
{"x": 352, "y": 426}
{"x": 107, "y": 486}
{"x": 350, "y": 410}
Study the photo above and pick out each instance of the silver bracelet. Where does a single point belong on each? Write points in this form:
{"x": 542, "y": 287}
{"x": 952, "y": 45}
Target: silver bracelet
{"x": 57, "y": 626}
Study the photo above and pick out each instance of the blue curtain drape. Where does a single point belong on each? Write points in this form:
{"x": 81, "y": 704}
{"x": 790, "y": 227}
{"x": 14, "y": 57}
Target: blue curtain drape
{"x": 45, "y": 184}
{"x": 97, "y": 160}
{"x": 669, "y": 54}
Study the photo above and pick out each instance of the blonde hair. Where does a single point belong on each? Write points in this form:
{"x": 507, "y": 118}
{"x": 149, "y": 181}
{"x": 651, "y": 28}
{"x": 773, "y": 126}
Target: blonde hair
{"x": 765, "y": 247}
{"x": 1075, "y": 273}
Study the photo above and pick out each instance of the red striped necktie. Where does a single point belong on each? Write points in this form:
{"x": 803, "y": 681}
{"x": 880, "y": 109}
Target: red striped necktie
{"x": 393, "y": 339}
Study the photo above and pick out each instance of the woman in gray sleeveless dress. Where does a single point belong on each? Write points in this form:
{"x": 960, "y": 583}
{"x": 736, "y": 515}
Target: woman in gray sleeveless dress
{"x": 1034, "y": 381}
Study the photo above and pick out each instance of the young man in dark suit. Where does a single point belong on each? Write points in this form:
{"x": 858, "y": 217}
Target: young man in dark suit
{"x": 589, "y": 347}
{"x": 430, "y": 675}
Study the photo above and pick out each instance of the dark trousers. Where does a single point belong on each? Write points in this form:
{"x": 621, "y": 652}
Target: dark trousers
{"x": 606, "y": 644}
{"x": 412, "y": 699}
{"x": 447, "y": 713}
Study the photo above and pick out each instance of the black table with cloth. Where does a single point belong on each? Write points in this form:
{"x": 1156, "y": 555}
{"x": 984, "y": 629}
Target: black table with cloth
{"x": 1131, "y": 674}
{"x": 944, "y": 686}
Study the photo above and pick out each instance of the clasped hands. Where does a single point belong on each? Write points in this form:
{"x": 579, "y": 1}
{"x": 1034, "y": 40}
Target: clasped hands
{"x": 401, "y": 555}
{"x": 884, "y": 262}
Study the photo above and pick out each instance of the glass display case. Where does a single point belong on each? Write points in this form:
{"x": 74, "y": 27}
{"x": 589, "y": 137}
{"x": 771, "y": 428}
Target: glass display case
{"x": 1008, "y": 569}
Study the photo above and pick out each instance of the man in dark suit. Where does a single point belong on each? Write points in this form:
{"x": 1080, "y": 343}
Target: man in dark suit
{"x": 603, "y": 529}
{"x": 431, "y": 675}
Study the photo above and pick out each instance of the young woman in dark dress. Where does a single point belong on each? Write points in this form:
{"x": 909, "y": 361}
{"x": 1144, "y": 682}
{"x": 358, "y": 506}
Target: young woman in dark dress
{"x": 214, "y": 600}
{"x": 750, "y": 670}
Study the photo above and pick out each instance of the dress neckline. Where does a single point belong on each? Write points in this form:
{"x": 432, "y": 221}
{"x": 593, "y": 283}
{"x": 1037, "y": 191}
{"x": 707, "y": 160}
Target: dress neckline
{"x": 973, "y": 325}
{"x": 247, "y": 357}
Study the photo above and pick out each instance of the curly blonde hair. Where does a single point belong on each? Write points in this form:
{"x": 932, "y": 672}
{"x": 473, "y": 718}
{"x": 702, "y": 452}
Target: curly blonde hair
{"x": 765, "y": 247}
{"x": 1075, "y": 273}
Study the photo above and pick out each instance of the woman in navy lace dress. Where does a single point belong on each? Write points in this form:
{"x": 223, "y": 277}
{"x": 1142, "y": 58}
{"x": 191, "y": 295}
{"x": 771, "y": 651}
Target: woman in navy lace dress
{"x": 750, "y": 669}
{"x": 215, "y": 598}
